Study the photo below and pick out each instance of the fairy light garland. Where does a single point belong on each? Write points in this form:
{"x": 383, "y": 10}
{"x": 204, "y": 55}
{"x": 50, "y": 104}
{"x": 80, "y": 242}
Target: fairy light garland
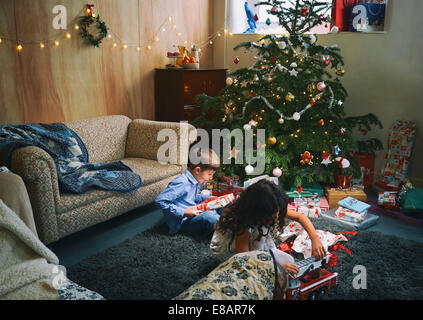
{"x": 166, "y": 26}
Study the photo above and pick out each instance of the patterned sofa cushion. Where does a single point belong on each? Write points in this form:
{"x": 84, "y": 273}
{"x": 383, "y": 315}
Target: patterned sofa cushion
{"x": 104, "y": 137}
{"x": 150, "y": 171}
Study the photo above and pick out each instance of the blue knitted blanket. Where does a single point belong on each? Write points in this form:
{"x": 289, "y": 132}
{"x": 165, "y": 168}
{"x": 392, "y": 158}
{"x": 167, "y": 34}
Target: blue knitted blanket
{"x": 70, "y": 155}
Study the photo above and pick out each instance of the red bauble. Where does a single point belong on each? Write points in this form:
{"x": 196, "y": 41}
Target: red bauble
{"x": 326, "y": 62}
{"x": 299, "y": 189}
{"x": 236, "y": 60}
{"x": 364, "y": 132}
{"x": 256, "y": 17}
{"x": 304, "y": 12}
{"x": 312, "y": 102}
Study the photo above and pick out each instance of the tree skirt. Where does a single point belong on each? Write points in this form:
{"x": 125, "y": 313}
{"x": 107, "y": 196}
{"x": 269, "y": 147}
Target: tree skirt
{"x": 156, "y": 266}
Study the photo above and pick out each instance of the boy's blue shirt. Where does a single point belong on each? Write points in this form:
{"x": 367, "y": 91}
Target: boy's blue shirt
{"x": 181, "y": 193}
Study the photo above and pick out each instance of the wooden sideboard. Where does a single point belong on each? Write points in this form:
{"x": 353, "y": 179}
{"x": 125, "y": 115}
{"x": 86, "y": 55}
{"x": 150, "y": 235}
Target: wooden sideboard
{"x": 176, "y": 89}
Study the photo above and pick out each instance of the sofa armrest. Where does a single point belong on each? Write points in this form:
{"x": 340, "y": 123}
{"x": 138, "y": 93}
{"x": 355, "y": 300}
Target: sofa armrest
{"x": 38, "y": 170}
{"x": 148, "y": 139}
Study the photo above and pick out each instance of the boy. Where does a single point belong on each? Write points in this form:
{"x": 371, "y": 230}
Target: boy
{"x": 180, "y": 198}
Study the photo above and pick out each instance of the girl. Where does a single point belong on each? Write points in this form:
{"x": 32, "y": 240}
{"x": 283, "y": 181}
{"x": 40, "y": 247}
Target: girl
{"x": 247, "y": 224}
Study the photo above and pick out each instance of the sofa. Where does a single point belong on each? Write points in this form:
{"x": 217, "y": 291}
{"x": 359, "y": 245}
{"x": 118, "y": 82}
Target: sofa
{"x": 109, "y": 138}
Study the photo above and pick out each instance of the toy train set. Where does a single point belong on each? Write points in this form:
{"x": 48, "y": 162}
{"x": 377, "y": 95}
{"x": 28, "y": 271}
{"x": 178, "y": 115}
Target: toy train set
{"x": 312, "y": 280}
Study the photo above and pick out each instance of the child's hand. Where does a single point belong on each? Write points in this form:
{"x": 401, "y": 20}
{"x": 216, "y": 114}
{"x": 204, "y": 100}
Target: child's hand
{"x": 291, "y": 269}
{"x": 191, "y": 212}
{"x": 317, "y": 249}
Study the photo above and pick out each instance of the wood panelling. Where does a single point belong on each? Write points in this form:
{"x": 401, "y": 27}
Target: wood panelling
{"x": 77, "y": 81}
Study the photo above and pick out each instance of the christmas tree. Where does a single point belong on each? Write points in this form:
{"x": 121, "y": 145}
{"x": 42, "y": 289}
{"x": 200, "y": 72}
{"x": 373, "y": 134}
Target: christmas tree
{"x": 294, "y": 92}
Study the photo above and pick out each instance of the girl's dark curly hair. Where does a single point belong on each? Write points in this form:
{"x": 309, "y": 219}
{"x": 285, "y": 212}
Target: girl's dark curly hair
{"x": 255, "y": 207}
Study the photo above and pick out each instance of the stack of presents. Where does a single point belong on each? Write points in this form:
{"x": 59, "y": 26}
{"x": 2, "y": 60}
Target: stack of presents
{"x": 395, "y": 191}
{"x": 341, "y": 206}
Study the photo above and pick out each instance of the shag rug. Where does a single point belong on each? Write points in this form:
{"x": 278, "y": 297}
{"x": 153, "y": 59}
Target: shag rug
{"x": 156, "y": 266}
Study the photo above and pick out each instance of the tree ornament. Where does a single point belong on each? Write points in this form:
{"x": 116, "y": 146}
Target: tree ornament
{"x": 281, "y": 120}
{"x": 268, "y": 22}
{"x": 304, "y": 12}
{"x": 364, "y": 132}
{"x": 256, "y": 17}
{"x": 289, "y": 97}
{"x": 249, "y": 169}
{"x": 340, "y": 72}
{"x": 282, "y": 45}
{"x": 343, "y": 163}
{"x": 89, "y": 19}
{"x": 312, "y": 102}
{"x": 253, "y": 123}
{"x": 306, "y": 158}
{"x": 311, "y": 87}
{"x": 322, "y": 122}
{"x": 229, "y": 81}
{"x": 271, "y": 140}
{"x": 342, "y": 131}
{"x": 293, "y": 65}
{"x": 274, "y": 9}
{"x": 326, "y": 61}
{"x": 336, "y": 150}
{"x": 321, "y": 86}
{"x": 296, "y": 116}
{"x": 326, "y": 158}
{"x": 293, "y": 73}
{"x": 299, "y": 190}
{"x": 236, "y": 60}
{"x": 277, "y": 172}
{"x": 335, "y": 29}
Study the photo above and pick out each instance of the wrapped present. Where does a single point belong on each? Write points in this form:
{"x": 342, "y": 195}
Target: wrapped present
{"x": 302, "y": 242}
{"x": 334, "y": 195}
{"x": 354, "y": 204}
{"x": 400, "y": 144}
{"x": 308, "y": 204}
{"x": 348, "y": 215}
{"x": 387, "y": 199}
{"x": 215, "y": 203}
{"x": 306, "y": 192}
{"x": 369, "y": 220}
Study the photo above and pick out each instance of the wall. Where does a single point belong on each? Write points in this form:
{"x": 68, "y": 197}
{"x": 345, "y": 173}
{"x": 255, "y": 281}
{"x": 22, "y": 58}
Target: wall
{"x": 384, "y": 72}
{"x": 77, "y": 81}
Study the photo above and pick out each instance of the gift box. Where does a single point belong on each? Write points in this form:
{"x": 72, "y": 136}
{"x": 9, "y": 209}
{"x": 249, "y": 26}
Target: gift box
{"x": 354, "y": 204}
{"x": 215, "y": 203}
{"x": 334, "y": 195}
{"x": 369, "y": 221}
{"x": 387, "y": 199}
{"x": 400, "y": 144}
{"x": 306, "y": 192}
{"x": 310, "y": 203}
{"x": 351, "y": 216}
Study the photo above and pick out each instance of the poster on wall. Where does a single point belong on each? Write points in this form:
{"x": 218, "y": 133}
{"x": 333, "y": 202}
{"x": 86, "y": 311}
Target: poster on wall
{"x": 360, "y": 15}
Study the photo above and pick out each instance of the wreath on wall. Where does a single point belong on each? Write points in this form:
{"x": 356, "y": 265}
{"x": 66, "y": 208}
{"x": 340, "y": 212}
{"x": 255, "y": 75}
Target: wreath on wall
{"x": 87, "y": 21}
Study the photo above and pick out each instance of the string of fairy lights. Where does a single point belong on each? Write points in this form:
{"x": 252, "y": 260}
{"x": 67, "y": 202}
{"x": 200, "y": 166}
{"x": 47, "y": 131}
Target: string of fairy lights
{"x": 115, "y": 40}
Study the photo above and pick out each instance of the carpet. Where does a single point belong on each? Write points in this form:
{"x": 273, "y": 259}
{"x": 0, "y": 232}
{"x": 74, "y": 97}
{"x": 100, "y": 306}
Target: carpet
{"x": 156, "y": 266}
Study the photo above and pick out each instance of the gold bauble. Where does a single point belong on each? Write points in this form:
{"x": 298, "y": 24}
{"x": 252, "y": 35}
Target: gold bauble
{"x": 340, "y": 72}
{"x": 271, "y": 140}
{"x": 289, "y": 97}
{"x": 311, "y": 87}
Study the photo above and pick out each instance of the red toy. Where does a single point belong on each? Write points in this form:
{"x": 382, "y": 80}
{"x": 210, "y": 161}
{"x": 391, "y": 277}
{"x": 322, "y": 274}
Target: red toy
{"x": 313, "y": 280}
